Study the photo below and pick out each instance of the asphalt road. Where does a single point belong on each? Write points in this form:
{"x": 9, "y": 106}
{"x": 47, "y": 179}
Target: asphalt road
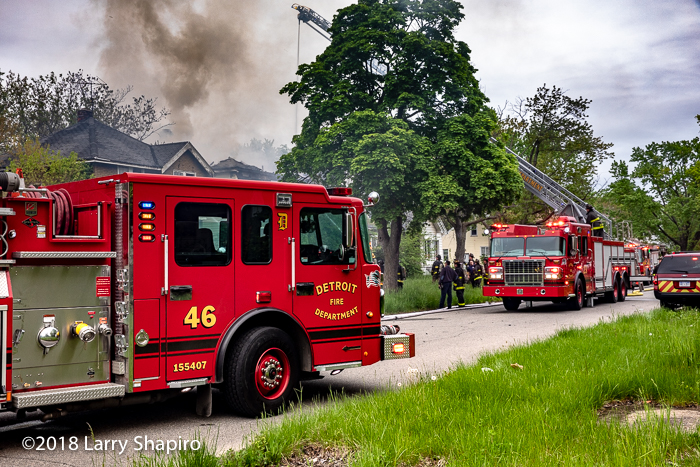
{"x": 442, "y": 340}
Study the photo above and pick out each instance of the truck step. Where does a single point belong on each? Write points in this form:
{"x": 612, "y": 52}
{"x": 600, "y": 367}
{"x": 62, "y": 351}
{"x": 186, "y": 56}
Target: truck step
{"x": 66, "y": 395}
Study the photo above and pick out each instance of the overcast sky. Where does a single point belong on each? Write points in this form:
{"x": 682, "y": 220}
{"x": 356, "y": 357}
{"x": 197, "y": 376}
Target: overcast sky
{"x": 219, "y": 64}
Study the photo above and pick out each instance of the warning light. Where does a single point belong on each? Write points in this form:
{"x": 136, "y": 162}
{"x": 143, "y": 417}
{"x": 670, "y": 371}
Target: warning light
{"x": 695, "y": 258}
{"x": 340, "y": 191}
{"x": 147, "y": 205}
{"x": 147, "y": 238}
{"x": 147, "y": 216}
{"x": 147, "y": 227}
{"x": 263, "y": 297}
{"x": 398, "y": 347}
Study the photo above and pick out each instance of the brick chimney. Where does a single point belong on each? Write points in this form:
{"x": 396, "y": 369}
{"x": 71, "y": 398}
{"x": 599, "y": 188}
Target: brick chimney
{"x": 84, "y": 114}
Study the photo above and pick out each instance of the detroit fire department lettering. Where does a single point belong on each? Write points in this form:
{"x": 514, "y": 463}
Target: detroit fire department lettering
{"x": 335, "y": 287}
{"x": 335, "y": 316}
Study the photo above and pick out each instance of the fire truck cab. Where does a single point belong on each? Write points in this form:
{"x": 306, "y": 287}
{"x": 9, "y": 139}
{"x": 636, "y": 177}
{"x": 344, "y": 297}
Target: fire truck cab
{"x": 560, "y": 262}
{"x": 132, "y": 288}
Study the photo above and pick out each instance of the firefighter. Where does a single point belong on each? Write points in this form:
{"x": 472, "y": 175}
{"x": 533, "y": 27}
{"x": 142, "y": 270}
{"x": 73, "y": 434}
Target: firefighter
{"x": 479, "y": 271}
{"x": 471, "y": 269}
{"x": 460, "y": 282}
{"x": 437, "y": 268}
{"x": 447, "y": 277}
{"x": 593, "y": 218}
{"x": 401, "y": 275}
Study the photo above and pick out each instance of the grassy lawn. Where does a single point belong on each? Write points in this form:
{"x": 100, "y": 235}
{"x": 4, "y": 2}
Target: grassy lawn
{"x": 420, "y": 293}
{"x": 543, "y": 414}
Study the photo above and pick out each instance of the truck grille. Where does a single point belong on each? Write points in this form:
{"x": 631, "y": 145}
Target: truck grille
{"x": 524, "y": 272}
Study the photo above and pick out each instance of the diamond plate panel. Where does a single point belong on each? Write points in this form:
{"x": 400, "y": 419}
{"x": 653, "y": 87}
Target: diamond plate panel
{"x": 388, "y": 343}
{"x": 66, "y": 395}
{"x": 4, "y": 289}
{"x": 64, "y": 254}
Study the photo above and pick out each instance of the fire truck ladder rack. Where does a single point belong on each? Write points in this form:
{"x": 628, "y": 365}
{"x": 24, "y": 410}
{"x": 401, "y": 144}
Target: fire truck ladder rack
{"x": 554, "y": 195}
{"x": 311, "y": 18}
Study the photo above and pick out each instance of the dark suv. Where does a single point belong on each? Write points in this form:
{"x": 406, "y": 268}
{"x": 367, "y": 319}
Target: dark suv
{"x": 677, "y": 280}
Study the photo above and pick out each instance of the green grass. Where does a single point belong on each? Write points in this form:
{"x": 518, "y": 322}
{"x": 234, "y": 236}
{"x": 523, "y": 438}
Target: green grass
{"x": 544, "y": 414}
{"x": 420, "y": 293}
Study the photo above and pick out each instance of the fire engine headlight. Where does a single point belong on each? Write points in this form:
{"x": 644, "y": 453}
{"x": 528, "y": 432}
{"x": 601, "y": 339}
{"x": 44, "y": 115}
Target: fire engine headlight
{"x": 552, "y": 272}
{"x": 495, "y": 273}
{"x": 83, "y": 331}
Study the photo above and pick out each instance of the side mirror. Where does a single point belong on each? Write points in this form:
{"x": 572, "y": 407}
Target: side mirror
{"x": 372, "y": 199}
{"x": 349, "y": 239}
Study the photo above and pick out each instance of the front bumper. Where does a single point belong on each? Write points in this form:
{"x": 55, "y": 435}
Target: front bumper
{"x": 545, "y": 292}
{"x": 396, "y": 346}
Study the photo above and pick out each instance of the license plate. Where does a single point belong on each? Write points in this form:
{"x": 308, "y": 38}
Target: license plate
{"x": 684, "y": 284}
{"x": 520, "y": 291}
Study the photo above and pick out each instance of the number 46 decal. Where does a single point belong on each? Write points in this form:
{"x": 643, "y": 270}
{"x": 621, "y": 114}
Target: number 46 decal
{"x": 208, "y": 318}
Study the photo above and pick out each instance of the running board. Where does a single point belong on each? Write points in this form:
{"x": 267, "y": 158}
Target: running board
{"x": 66, "y": 395}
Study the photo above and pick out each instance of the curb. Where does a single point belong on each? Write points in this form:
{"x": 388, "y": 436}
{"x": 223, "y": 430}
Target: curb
{"x": 440, "y": 310}
{"x": 446, "y": 310}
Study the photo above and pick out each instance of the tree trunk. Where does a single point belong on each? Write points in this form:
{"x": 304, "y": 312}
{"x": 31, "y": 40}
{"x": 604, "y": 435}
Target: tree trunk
{"x": 460, "y": 237}
{"x": 390, "y": 245}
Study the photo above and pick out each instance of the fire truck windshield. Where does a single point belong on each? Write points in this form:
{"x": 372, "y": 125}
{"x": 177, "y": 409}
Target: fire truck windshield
{"x": 545, "y": 246}
{"x": 507, "y": 246}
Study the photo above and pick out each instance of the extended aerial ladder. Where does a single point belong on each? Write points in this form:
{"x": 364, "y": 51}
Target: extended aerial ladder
{"x": 554, "y": 195}
{"x": 320, "y": 24}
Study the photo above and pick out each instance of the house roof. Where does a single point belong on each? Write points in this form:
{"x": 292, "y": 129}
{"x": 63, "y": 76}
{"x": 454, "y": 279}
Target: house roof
{"x": 245, "y": 170}
{"x": 94, "y": 141}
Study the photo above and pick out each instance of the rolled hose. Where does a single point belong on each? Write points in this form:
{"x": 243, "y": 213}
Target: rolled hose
{"x": 64, "y": 208}
{"x": 9, "y": 181}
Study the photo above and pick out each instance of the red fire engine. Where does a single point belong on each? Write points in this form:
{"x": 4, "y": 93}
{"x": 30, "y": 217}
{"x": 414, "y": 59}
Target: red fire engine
{"x": 562, "y": 262}
{"x": 133, "y": 288}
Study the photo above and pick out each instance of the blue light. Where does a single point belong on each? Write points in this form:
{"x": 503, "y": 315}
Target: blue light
{"x": 147, "y": 205}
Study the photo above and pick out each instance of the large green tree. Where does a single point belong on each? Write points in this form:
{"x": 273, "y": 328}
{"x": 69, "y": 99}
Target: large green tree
{"x": 552, "y": 132}
{"x": 473, "y": 176}
{"x": 42, "y": 106}
{"x": 426, "y": 80}
{"x": 661, "y": 194}
{"x": 42, "y": 166}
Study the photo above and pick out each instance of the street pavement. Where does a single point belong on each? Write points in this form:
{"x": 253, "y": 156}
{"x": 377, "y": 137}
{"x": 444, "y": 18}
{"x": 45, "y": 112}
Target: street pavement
{"x": 443, "y": 339}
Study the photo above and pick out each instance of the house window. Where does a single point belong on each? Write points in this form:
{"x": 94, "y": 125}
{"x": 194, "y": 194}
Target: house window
{"x": 445, "y": 254}
{"x": 184, "y": 173}
{"x": 485, "y": 251}
{"x": 473, "y": 233}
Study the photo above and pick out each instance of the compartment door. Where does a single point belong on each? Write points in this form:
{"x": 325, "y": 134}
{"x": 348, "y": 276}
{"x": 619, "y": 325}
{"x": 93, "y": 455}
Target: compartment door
{"x": 200, "y": 293}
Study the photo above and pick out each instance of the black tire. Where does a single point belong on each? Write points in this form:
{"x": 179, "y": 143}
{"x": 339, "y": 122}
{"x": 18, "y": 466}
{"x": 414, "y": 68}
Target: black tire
{"x": 256, "y": 378}
{"x": 614, "y": 295}
{"x": 576, "y": 303}
{"x": 622, "y": 290}
{"x": 511, "y": 304}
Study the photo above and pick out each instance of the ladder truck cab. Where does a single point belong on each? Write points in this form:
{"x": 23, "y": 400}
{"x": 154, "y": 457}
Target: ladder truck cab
{"x": 561, "y": 262}
{"x": 134, "y": 288}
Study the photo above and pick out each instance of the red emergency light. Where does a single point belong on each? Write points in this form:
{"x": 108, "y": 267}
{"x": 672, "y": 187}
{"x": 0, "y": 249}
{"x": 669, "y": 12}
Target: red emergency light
{"x": 340, "y": 191}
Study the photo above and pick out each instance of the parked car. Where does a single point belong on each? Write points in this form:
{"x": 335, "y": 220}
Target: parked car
{"x": 677, "y": 280}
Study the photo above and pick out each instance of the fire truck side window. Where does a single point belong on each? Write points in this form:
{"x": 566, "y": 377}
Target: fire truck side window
{"x": 583, "y": 242}
{"x": 202, "y": 234}
{"x": 256, "y": 235}
{"x": 321, "y": 237}
{"x": 364, "y": 234}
